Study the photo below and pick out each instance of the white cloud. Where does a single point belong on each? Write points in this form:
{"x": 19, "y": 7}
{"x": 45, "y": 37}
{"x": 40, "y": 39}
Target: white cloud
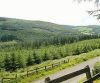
{"x": 57, "y": 11}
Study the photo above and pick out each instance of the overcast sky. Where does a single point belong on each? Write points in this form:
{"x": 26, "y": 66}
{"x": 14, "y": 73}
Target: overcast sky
{"x": 65, "y": 12}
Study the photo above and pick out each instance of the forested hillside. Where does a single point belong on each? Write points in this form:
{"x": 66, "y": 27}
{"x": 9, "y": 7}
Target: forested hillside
{"x": 25, "y": 29}
{"x": 39, "y": 33}
{"x": 13, "y": 56}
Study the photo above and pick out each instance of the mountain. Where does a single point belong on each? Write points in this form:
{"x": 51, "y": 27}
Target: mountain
{"x": 31, "y": 30}
{"x": 27, "y": 30}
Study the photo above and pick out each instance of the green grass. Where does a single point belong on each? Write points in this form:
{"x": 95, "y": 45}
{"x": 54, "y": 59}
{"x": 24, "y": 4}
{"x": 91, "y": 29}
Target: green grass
{"x": 82, "y": 80}
{"x": 97, "y": 81}
{"x": 73, "y": 60}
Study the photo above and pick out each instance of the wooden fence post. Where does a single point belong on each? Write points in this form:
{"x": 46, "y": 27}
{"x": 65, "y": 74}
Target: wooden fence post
{"x": 52, "y": 65}
{"x": 37, "y": 70}
{"x": 64, "y": 61}
{"x": 16, "y": 78}
{"x": 47, "y": 80}
{"x": 2, "y": 81}
{"x": 88, "y": 73}
{"x": 45, "y": 67}
{"x": 59, "y": 64}
{"x": 27, "y": 73}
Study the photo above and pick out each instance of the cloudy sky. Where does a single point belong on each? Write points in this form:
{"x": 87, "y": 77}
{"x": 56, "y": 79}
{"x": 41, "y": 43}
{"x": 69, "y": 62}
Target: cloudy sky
{"x": 65, "y": 12}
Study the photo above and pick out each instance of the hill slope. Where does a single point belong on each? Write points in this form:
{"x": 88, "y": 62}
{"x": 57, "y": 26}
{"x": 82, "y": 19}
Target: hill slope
{"x": 90, "y": 29}
{"x": 31, "y": 30}
{"x": 25, "y": 29}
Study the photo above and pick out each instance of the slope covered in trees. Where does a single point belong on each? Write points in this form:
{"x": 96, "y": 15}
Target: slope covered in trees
{"x": 13, "y": 57}
{"x": 24, "y": 43}
{"x": 26, "y": 30}
{"x": 31, "y": 30}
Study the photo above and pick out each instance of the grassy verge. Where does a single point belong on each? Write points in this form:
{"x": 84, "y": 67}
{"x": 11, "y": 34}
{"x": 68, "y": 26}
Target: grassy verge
{"x": 73, "y": 60}
{"x": 82, "y": 80}
{"x": 97, "y": 81}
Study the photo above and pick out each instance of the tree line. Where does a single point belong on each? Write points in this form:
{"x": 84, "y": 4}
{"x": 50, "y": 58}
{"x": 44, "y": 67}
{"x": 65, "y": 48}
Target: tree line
{"x": 57, "y": 40}
{"x": 15, "y": 58}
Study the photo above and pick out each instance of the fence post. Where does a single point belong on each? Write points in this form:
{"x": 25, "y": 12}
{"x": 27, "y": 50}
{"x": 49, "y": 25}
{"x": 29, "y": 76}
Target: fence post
{"x": 45, "y": 67}
{"x": 27, "y": 73}
{"x": 16, "y": 78}
{"x": 37, "y": 70}
{"x": 2, "y": 81}
{"x": 88, "y": 73}
{"x": 64, "y": 61}
{"x": 52, "y": 65}
{"x": 93, "y": 73}
{"x": 47, "y": 80}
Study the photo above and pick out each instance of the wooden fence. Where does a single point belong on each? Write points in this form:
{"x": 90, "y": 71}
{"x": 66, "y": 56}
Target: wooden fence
{"x": 93, "y": 78}
{"x": 6, "y": 79}
{"x": 35, "y": 71}
{"x": 48, "y": 67}
{"x": 76, "y": 73}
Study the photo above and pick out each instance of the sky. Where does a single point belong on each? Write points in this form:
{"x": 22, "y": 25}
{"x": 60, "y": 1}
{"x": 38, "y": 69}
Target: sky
{"x": 67, "y": 12}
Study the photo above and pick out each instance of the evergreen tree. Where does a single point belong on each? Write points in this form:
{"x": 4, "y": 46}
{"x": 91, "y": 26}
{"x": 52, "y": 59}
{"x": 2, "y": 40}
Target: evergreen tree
{"x": 7, "y": 63}
{"x": 14, "y": 62}
{"x": 45, "y": 56}
{"x": 21, "y": 61}
{"x": 37, "y": 58}
{"x": 30, "y": 60}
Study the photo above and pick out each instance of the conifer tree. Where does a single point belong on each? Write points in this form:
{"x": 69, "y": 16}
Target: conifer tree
{"x": 14, "y": 62}
{"x": 30, "y": 60}
{"x": 37, "y": 58}
{"x": 7, "y": 63}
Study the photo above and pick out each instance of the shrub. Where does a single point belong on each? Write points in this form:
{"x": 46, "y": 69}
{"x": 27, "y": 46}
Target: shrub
{"x": 96, "y": 68}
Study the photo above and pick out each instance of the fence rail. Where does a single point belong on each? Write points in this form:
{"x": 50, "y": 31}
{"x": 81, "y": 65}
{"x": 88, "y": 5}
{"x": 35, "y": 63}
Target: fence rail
{"x": 71, "y": 75}
{"x": 35, "y": 70}
{"x": 93, "y": 78}
{"x": 5, "y": 79}
{"x": 86, "y": 70}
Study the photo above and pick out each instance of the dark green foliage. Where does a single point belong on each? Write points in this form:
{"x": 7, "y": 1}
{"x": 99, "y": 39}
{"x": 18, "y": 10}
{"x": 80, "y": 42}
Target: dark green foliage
{"x": 14, "y": 62}
{"x": 10, "y": 62}
{"x": 46, "y": 57}
{"x": 7, "y": 63}
{"x": 61, "y": 40}
{"x": 30, "y": 60}
{"x": 21, "y": 61}
{"x": 5, "y": 38}
{"x": 37, "y": 58}
{"x": 77, "y": 51}
{"x": 15, "y": 56}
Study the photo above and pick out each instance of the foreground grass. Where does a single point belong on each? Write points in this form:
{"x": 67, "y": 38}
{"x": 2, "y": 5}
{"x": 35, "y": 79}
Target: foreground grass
{"x": 97, "y": 81}
{"x": 73, "y": 60}
{"x": 82, "y": 80}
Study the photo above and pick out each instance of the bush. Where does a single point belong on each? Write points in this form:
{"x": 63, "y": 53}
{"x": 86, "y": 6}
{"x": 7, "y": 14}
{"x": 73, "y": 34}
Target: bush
{"x": 96, "y": 68}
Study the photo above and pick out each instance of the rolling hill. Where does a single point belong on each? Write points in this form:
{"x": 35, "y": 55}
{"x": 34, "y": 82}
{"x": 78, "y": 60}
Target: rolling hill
{"x": 90, "y": 29}
{"x": 26, "y": 30}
